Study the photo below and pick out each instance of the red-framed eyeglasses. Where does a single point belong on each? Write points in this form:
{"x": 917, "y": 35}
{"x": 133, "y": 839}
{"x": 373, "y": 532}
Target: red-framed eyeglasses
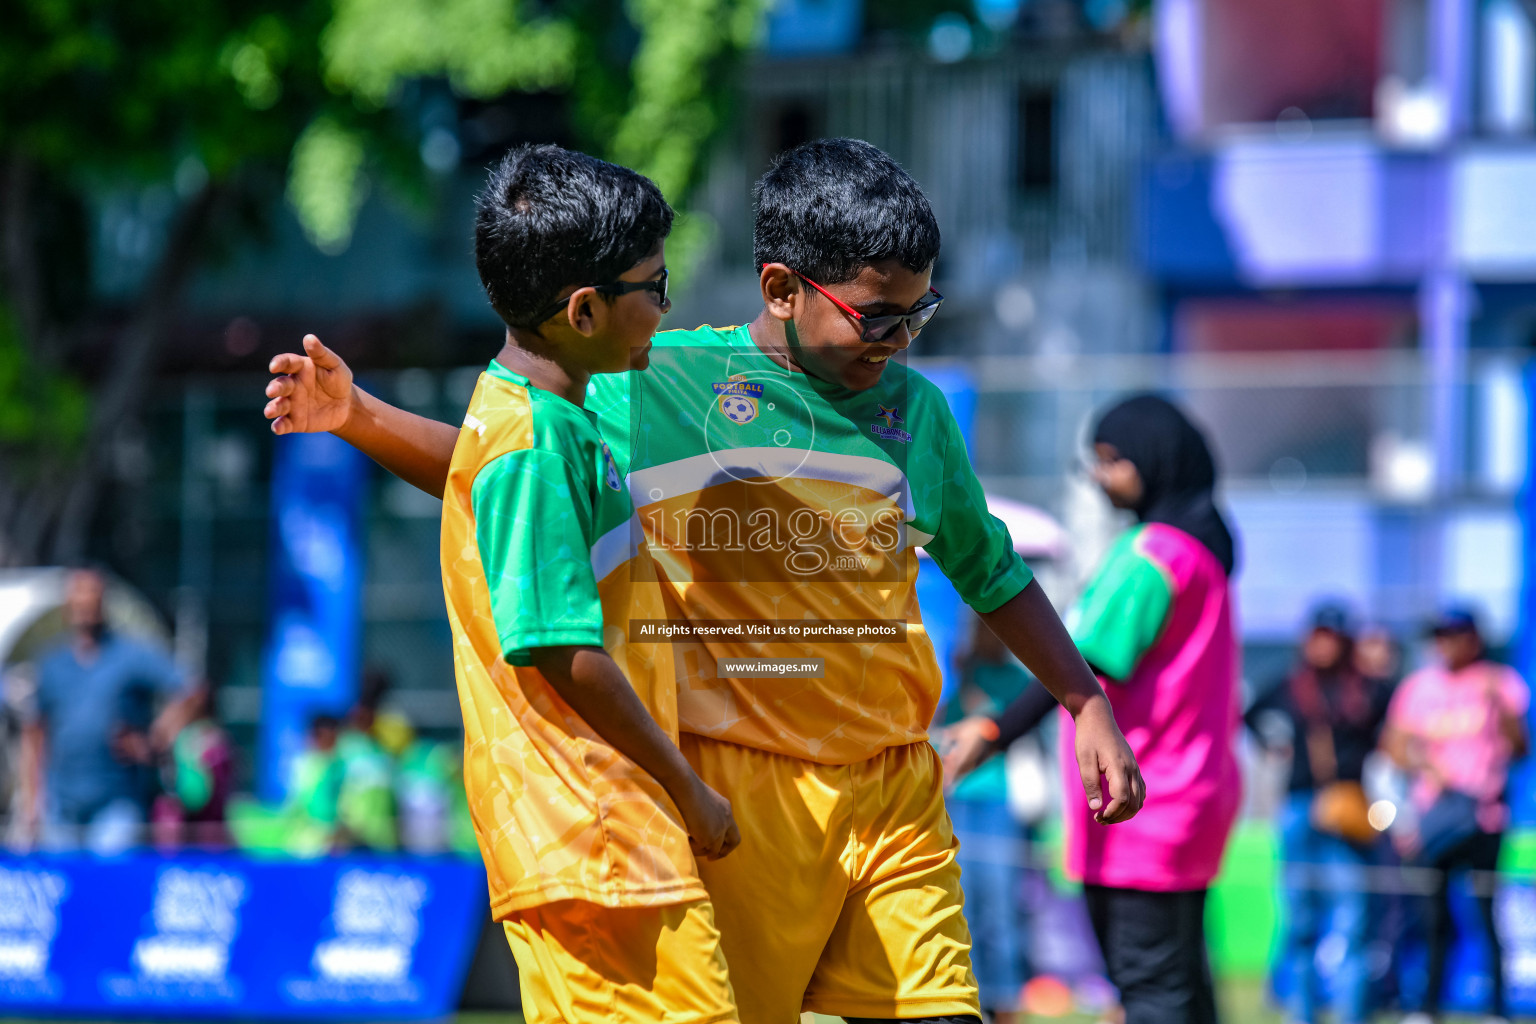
{"x": 879, "y": 328}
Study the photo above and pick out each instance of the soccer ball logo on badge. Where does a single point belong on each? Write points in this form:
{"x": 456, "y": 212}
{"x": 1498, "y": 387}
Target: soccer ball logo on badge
{"x": 738, "y": 399}
{"x": 738, "y": 408}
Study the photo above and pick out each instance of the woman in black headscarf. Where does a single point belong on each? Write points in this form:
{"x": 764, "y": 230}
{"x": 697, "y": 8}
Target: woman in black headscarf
{"x": 1156, "y": 624}
{"x": 1174, "y": 466}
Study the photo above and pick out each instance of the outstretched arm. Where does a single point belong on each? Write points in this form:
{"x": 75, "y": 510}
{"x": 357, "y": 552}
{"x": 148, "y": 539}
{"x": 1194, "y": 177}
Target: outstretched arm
{"x": 314, "y": 392}
{"x": 970, "y": 741}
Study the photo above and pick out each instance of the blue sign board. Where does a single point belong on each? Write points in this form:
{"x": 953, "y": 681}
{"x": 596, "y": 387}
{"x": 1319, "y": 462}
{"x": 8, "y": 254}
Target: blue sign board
{"x": 212, "y": 937}
{"x": 311, "y": 660}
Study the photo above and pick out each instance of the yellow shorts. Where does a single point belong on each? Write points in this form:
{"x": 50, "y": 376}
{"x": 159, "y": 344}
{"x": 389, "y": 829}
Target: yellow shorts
{"x": 844, "y": 895}
{"x": 578, "y": 962}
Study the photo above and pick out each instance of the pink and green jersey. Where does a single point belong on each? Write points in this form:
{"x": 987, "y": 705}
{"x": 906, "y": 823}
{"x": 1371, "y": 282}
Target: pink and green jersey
{"x": 1156, "y": 623}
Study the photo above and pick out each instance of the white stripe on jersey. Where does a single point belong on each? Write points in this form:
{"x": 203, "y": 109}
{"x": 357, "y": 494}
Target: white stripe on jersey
{"x": 697, "y": 472}
{"x": 614, "y": 548}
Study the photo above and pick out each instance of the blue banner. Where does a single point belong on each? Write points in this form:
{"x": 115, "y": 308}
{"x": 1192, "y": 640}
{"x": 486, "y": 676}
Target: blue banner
{"x": 316, "y": 554}
{"x": 211, "y": 937}
{"x": 943, "y": 611}
{"x": 1522, "y": 779}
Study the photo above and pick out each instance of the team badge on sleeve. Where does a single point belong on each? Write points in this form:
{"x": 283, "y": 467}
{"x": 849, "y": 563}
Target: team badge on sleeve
{"x": 611, "y": 470}
{"x": 738, "y": 399}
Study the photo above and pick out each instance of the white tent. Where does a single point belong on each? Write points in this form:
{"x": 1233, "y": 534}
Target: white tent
{"x": 32, "y": 612}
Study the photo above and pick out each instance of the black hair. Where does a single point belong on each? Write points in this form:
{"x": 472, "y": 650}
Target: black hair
{"x": 829, "y": 208}
{"x": 550, "y": 218}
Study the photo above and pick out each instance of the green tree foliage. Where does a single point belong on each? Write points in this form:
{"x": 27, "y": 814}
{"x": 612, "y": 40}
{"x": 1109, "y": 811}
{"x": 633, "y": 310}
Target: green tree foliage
{"x": 193, "y": 98}
{"x": 656, "y": 114}
{"x": 483, "y": 47}
{"x": 215, "y": 109}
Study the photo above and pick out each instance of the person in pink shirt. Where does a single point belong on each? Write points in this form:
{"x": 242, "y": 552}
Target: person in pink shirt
{"x": 1157, "y": 624}
{"x": 1456, "y": 727}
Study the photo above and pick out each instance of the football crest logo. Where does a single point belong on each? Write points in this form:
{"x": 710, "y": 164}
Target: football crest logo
{"x": 611, "y": 470}
{"x": 738, "y": 399}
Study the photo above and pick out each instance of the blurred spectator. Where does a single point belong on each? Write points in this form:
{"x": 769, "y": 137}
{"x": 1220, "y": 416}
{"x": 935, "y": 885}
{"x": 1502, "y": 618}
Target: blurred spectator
{"x": 429, "y": 807}
{"x": 1377, "y": 655}
{"x": 94, "y": 732}
{"x": 1156, "y": 623}
{"x": 993, "y": 844}
{"x": 1456, "y": 727}
{"x": 429, "y": 792}
{"x": 342, "y": 787}
{"x": 1328, "y": 717}
{"x": 314, "y": 791}
{"x": 366, "y": 803}
{"x": 198, "y": 776}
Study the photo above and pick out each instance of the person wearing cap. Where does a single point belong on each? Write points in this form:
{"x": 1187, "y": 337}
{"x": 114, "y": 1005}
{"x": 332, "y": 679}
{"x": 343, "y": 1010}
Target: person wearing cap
{"x": 1455, "y": 727}
{"x": 1327, "y": 717}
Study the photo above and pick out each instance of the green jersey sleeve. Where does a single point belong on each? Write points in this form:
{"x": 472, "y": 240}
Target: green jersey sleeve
{"x": 970, "y": 544}
{"x": 534, "y": 526}
{"x": 1123, "y": 611}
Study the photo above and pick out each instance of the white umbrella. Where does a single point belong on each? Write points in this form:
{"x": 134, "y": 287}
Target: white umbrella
{"x": 1036, "y": 534}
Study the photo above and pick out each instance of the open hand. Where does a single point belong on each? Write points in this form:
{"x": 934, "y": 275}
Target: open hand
{"x": 314, "y": 393}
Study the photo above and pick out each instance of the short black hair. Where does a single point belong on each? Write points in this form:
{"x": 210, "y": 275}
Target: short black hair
{"x": 831, "y": 207}
{"x": 550, "y": 218}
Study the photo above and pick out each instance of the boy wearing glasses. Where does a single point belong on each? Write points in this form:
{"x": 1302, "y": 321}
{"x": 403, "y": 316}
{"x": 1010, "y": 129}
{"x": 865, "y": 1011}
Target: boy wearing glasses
{"x": 784, "y": 473}
{"x": 583, "y": 805}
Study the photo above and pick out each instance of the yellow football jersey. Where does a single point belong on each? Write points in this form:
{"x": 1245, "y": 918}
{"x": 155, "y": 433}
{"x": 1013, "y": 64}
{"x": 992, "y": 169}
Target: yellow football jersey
{"x": 784, "y": 514}
{"x": 540, "y": 549}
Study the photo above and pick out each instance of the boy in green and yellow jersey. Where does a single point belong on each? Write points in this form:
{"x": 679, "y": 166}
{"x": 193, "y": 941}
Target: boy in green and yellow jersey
{"x": 587, "y": 815}
{"x": 784, "y": 474}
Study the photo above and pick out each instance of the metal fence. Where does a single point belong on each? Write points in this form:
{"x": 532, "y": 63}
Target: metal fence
{"x": 1042, "y": 145}
{"x": 1031, "y": 160}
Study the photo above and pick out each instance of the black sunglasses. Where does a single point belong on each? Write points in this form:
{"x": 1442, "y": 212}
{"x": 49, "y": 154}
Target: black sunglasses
{"x": 657, "y": 285}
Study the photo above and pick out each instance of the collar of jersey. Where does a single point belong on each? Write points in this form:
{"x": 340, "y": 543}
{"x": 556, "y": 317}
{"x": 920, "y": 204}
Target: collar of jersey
{"x": 500, "y": 372}
{"x": 741, "y": 338}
